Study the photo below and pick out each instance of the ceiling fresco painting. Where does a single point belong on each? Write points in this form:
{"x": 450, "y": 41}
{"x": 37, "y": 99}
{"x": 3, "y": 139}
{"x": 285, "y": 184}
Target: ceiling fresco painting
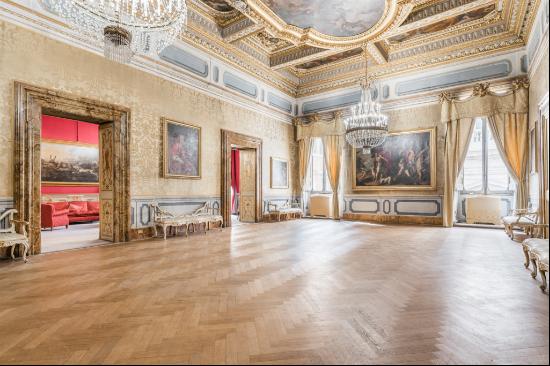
{"x": 444, "y": 24}
{"x": 332, "y": 17}
{"x": 218, "y": 5}
{"x": 330, "y": 59}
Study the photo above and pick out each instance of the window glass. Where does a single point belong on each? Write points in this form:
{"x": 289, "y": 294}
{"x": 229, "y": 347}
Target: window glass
{"x": 472, "y": 171}
{"x": 498, "y": 179}
{"x": 318, "y": 180}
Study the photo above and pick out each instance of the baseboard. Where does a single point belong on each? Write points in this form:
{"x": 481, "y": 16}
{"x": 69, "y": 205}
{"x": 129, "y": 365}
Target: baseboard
{"x": 395, "y": 219}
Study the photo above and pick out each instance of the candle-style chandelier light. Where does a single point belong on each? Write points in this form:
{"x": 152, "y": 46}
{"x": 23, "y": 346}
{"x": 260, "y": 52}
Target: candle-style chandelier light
{"x": 124, "y": 27}
{"x": 367, "y": 126}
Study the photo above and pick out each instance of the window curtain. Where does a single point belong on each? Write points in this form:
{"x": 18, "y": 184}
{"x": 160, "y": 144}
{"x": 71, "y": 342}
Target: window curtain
{"x": 543, "y": 172}
{"x": 511, "y": 132}
{"x": 457, "y": 139}
{"x": 312, "y": 127}
{"x": 334, "y": 147}
{"x": 457, "y": 115}
{"x": 235, "y": 183}
{"x": 304, "y": 156}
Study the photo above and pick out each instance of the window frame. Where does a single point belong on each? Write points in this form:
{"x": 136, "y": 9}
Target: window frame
{"x": 485, "y": 166}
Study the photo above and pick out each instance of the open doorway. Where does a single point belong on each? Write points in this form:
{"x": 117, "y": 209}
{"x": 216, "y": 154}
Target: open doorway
{"x": 70, "y": 167}
{"x": 32, "y": 103}
{"x": 241, "y": 178}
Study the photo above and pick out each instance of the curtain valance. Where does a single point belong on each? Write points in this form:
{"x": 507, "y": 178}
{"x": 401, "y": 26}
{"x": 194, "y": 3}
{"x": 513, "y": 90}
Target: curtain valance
{"x": 484, "y": 102}
{"x": 321, "y": 128}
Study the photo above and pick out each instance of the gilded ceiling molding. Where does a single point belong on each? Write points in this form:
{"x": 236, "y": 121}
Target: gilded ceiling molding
{"x": 261, "y": 13}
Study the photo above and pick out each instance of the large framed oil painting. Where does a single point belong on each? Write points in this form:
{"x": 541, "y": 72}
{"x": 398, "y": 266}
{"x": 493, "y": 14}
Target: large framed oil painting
{"x": 182, "y": 150}
{"x": 279, "y": 173}
{"x": 405, "y": 161}
{"x": 69, "y": 163}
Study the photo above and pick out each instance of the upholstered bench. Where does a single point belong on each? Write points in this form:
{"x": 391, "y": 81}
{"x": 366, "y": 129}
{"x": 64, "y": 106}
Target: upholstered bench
{"x": 286, "y": 210}
{"x": 536, "y": 253}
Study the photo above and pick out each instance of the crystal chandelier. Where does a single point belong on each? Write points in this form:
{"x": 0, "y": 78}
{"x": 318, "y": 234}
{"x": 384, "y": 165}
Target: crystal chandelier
{"x": 124, "y": 27}
{"x": 367, "y": 126}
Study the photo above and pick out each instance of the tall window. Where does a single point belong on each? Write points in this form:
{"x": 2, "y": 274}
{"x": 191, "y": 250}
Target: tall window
{"x": 484, "y": 171}
{"x": 317, "y": 180}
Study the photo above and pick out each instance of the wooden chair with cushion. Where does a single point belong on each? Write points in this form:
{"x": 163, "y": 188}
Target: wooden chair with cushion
{"x": 9, "y": 237}
{"x": 535, "y": 250}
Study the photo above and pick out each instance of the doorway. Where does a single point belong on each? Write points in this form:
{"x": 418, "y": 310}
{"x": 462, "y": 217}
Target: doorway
{"x": 243, "y": 185}
{"x": 242, "y": 178}
{"x": 70, "y": 167}
{"x": 32, "y": 103}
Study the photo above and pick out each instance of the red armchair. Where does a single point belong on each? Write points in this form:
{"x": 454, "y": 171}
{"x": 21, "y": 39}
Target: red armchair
{"x": 51, "y": 216}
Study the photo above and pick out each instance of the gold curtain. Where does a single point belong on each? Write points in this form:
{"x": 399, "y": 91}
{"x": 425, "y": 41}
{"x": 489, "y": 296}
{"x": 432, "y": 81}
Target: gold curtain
{"x": 457, "y": 140}
{"x": 304, "y": 153}
{"x": 543, "y": 172}
{"x": 511, "y": 133}
{"x": 334, "y": 146}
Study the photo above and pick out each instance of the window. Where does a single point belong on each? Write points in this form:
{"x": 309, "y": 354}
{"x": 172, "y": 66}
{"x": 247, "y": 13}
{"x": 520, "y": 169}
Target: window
{"x": 484, "y": 171}
{"x": 317, "y": 180}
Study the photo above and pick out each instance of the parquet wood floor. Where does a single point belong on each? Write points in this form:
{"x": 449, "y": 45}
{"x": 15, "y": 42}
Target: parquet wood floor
{"x": 302, "y": 291}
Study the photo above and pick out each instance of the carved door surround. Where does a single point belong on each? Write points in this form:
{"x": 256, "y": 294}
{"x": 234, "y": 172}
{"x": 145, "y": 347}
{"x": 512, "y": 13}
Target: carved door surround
{"x": 231, "y": 140}
{"x": 31, "y": 102}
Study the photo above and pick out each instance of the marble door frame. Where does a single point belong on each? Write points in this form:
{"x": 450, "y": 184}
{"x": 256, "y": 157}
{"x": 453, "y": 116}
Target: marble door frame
{"x": 232, "y": 139}
{"x": 30, "y": 103}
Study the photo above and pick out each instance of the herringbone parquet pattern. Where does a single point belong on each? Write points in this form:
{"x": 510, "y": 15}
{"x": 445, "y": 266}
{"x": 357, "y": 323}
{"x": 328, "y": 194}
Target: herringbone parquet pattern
{"x": 304, "y": 291}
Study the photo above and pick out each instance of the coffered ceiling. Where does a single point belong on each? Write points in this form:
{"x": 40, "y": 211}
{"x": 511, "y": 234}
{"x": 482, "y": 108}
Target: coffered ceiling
{"x": 311, "y": 46}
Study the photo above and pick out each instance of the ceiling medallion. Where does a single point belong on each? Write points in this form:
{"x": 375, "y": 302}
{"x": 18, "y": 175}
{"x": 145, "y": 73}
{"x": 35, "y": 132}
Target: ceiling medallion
{"x": 124, "y": 27}
{"x": 367, "y": 126}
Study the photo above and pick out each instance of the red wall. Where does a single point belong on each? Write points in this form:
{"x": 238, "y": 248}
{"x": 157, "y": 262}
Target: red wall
{"x": 62, "y": 129}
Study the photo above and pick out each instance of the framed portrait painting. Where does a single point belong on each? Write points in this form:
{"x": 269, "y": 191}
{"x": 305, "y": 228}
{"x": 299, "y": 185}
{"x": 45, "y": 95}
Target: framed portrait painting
{"x": 69, "y": 163}
{"x": 279, "y": 173}
{"x": 182, "y": 150}
{"x": 405, "y": 161}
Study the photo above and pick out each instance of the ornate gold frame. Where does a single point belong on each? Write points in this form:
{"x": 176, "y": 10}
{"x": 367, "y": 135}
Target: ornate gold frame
{"x": 272, "y": 159}
{"x": 165, "y": 174}
{"x": 433, "y": 165}
{"x": 75, "y": 143}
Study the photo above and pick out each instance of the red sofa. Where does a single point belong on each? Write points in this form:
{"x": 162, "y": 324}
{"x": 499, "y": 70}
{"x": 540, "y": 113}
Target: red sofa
{"x": 55, "y": 214}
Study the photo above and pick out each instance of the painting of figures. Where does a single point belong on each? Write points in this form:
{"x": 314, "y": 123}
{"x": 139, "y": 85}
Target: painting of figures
{"x": 279, "y": 173}
{"x": 182, "y": 150}
{"x": 64, "y": 163}
{"x": 406, "y": 160}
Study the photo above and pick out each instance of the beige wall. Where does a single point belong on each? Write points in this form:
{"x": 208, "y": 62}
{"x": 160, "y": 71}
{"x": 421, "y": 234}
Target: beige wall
{"x": 32, "y": 58}
{"x": 406, "y": 120}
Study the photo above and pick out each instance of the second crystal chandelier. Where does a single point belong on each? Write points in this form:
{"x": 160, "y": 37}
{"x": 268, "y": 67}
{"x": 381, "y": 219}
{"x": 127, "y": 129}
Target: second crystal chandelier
{"x": 124, "y": 27}
{"x": 367, "y": 126}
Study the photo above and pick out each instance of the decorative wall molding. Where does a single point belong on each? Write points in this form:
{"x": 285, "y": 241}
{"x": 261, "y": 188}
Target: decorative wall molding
{"x": 5, "y": 204}
{"x": 427, "y": 206}
{"x": 142, "y": 215}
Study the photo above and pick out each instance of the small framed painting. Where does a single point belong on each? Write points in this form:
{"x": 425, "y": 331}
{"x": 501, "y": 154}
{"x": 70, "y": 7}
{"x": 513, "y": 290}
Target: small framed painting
{"x": 181, "y": 150}
{"x": 279, "y": 173}
{"x": 69, "y": 163}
